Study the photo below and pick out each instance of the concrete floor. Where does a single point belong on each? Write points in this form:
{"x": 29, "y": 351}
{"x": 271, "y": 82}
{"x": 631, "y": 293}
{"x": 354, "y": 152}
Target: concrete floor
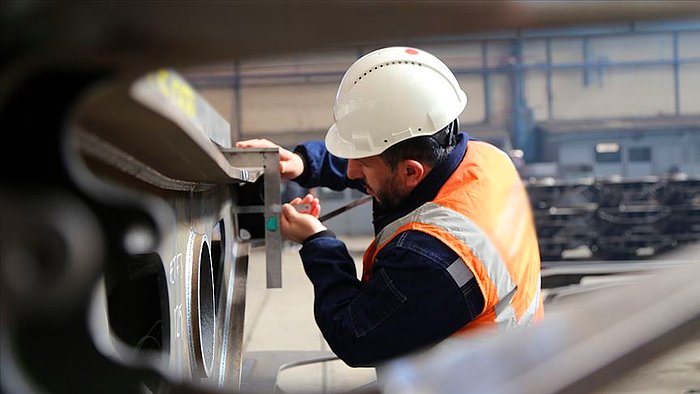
{"x": 281, "y": 320}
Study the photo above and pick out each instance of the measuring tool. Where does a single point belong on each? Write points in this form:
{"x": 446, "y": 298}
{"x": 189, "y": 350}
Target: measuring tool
{"x": 306, "y": 208}
{"x": 344, "y": 208}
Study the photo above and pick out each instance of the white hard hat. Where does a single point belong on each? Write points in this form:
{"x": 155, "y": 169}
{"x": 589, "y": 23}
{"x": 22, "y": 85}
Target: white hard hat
{"x": 391, "y": 95}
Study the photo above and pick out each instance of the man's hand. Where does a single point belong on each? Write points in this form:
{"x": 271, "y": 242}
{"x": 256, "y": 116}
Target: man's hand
{"x": 309, "y": 204}
{"x": 291, "y": 164}
{"x": 296, "y": 226}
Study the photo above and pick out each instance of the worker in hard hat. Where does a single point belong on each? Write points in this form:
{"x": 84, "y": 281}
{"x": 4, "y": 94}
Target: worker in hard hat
{"x": 455, "y": 248}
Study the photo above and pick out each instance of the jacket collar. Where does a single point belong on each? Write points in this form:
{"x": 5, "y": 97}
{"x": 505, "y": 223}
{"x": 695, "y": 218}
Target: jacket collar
{"x": 426, "y": 190}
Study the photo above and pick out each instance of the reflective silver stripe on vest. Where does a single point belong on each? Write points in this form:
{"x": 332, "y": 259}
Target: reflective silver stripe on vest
{"x": 476, "y": 240}
{"x": 505, "y": 314}
{"x": 528, "y": 317}
{"x": 460, "y": 272}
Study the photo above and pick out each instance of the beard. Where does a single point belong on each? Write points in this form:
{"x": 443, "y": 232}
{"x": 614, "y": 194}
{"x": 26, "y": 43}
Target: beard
{"x": 391, "y": 194}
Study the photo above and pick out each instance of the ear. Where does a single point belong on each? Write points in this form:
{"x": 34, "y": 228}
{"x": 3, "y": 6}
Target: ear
{"x": 413, "y": 172}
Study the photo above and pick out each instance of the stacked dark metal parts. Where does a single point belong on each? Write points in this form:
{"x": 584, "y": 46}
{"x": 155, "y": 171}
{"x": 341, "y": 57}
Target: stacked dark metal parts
{"x": 613, "y": 218}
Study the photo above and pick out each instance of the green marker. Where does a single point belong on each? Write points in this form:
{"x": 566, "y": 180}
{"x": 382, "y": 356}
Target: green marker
{"x": 271, "y": 223}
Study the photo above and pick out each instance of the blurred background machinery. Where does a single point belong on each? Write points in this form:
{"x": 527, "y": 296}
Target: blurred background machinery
{"x": 612, "y": 219}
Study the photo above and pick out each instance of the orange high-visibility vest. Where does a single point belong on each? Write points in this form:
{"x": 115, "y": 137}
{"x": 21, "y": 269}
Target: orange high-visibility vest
{"x": 483, "y": 214}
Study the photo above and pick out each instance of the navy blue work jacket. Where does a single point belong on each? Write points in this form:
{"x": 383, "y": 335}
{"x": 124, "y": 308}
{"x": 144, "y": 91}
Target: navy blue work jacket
{"x": 411, "y": 301}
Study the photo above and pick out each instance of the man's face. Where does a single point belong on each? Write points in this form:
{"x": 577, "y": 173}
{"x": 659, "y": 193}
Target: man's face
{"x": 381, "y": 182}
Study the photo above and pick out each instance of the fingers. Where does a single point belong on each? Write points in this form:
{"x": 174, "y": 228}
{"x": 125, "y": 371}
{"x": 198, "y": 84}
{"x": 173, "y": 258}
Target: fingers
{"x": 285, "y": 224}
{"x": 311, "y": 205}
{"x": 296, "y": 226}
{"x": 315, "y": 210}
{"x": 289, "y": 212}
{"x": 283, "y": 168}
{"x": 296, "y": 201}
{"x": 291, "y": 165}
{"x": 308, "y": 199}
{"x": 256, "y": 143}
{"x": 314, "y": 203}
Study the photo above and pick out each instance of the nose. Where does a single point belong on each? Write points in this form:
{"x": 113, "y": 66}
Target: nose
{"x": 353, "y": 170}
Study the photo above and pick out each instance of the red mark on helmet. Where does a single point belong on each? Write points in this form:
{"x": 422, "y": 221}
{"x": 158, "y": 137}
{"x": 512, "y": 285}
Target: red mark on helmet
{"x": 411, "y": 51}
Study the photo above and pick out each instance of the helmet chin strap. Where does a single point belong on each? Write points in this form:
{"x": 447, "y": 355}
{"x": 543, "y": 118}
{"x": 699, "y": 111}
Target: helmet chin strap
{"x": 448, "y": 135}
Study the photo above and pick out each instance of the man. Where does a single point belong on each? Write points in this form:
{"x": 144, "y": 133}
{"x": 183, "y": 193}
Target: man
{"x": 455, "y": 247}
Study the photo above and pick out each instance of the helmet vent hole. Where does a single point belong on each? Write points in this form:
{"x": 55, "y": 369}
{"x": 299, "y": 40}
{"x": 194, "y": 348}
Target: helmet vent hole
{"x": 386, "y": 140}
{"x": 387, "y": 64}
{"x": 419, "y": 129}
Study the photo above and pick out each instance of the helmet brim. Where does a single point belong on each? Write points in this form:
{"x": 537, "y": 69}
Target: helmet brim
{"x": 339, "y": 147}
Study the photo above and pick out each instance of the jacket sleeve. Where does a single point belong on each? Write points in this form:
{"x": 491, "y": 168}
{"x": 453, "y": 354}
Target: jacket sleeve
{"x": 323, "y": 169}
{"x": 409, "y": 303}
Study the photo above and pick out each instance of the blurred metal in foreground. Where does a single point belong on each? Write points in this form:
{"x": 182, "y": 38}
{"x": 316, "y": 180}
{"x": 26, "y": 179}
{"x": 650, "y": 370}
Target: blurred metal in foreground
{"x": 586, "y": 343}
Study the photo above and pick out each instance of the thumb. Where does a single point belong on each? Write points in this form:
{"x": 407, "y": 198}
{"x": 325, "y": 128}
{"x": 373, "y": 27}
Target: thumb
{"x": 289, "y": 211}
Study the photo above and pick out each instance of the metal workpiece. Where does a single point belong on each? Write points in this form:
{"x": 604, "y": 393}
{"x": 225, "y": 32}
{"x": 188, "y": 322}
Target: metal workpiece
{"x": 178, "y": 308}
{"x": 593, "y": 341}
{"x": 177, "y": 305}
{"x": 164, "y": 136}
{"x": 166, "y": 92}
{"x": 199, "y": 304}
{"x": 160, "y": 123}
{"x": 175, "y": 297}
{"x": 137, "y": 233}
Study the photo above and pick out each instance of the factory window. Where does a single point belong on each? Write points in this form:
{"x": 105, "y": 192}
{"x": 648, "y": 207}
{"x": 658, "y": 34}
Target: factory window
{"x": 607, "y": 152}
{"x": 640, "y": 154}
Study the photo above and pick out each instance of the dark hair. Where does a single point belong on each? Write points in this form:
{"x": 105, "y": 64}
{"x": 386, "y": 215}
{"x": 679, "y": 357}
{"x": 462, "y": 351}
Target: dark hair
{"x": 427, "y": 149}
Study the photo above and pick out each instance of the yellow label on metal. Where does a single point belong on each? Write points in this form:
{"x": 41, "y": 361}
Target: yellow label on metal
{"x": 178, "y": 91}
